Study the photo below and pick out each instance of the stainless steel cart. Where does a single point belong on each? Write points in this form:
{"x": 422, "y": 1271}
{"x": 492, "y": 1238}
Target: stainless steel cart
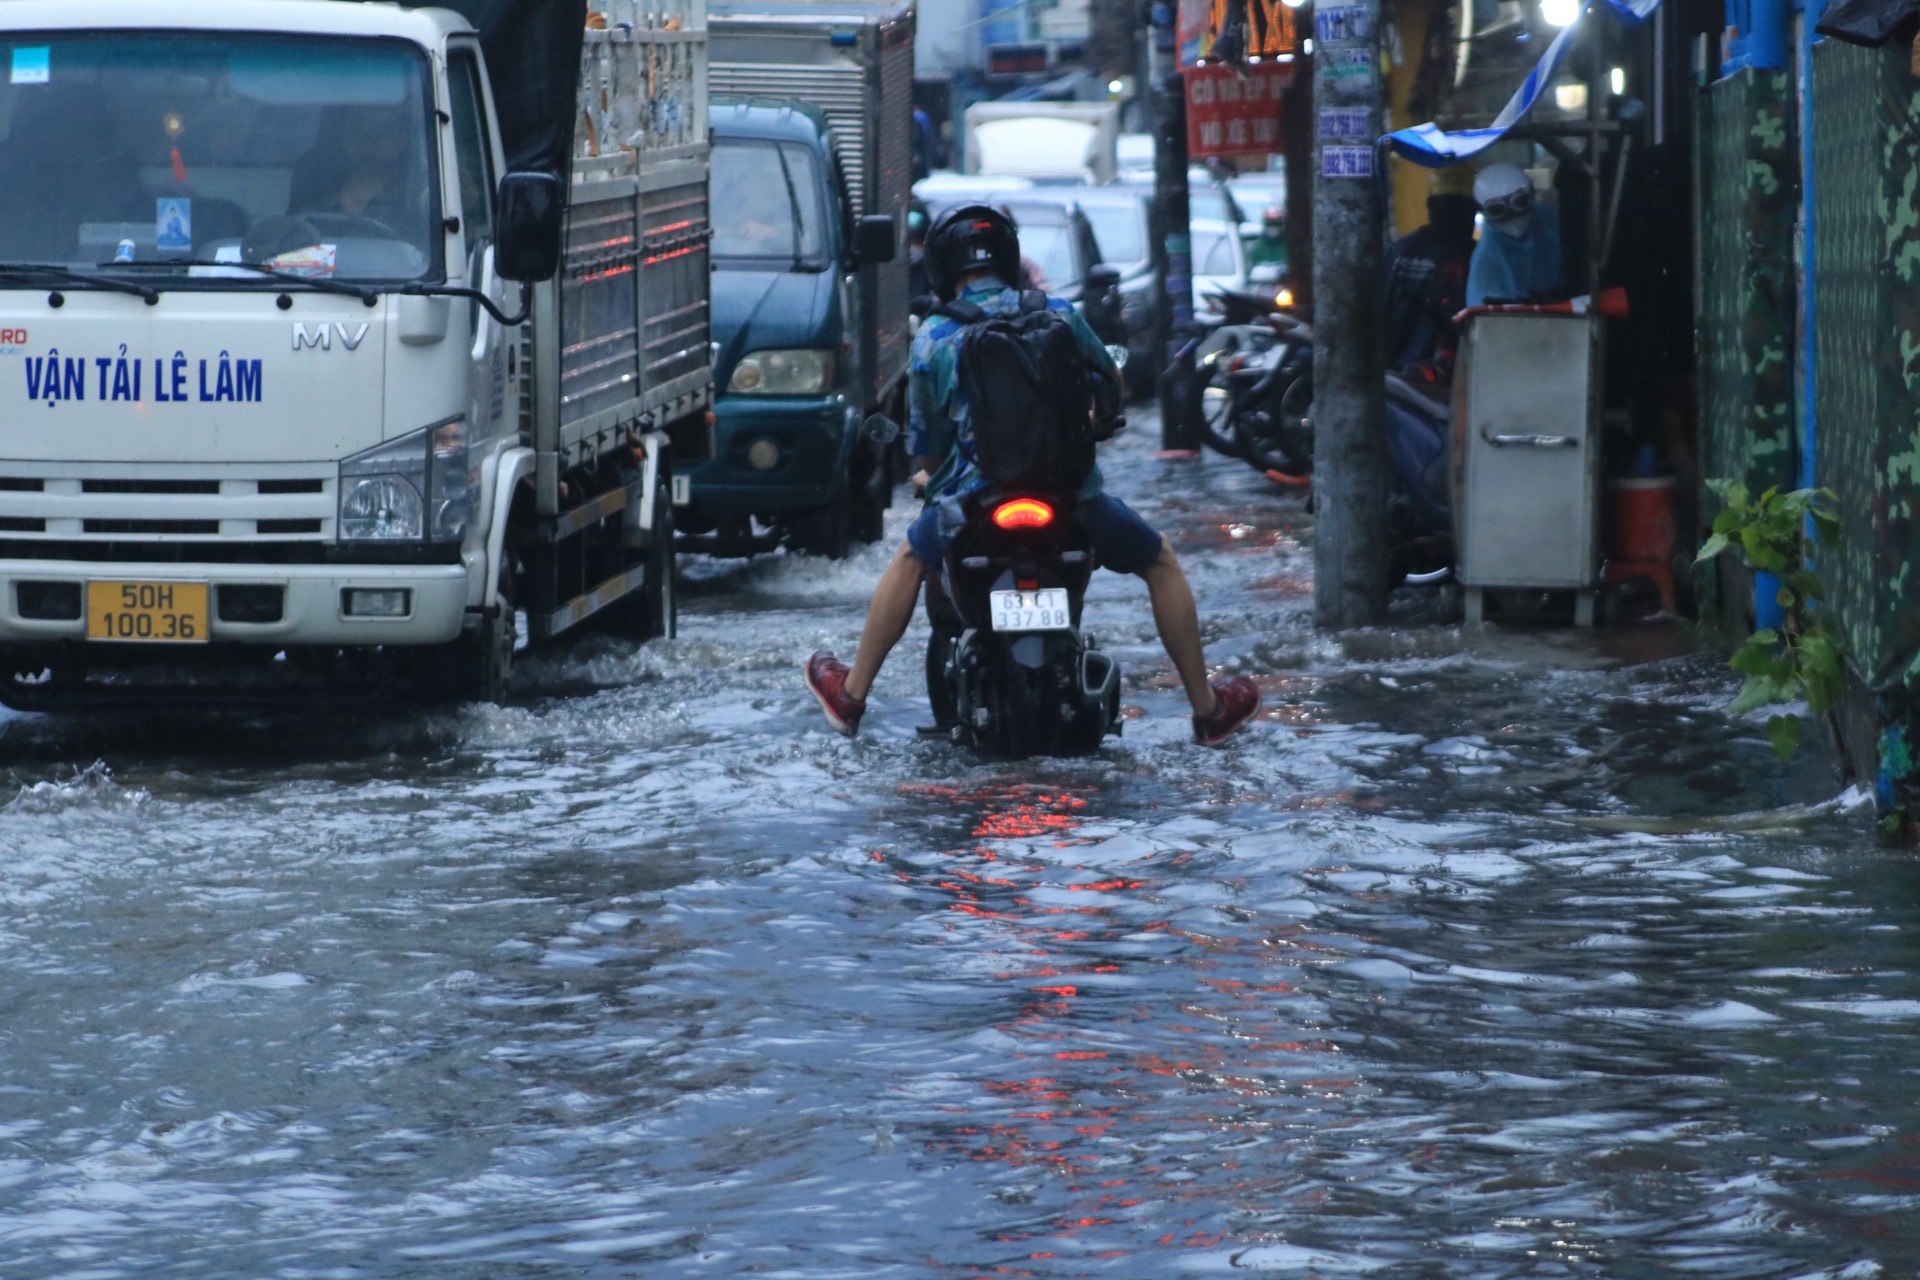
{"x": 1527, "y": 454}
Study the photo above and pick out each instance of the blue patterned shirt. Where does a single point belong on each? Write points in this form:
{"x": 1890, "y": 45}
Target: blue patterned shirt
{"x": 937, "y": 409}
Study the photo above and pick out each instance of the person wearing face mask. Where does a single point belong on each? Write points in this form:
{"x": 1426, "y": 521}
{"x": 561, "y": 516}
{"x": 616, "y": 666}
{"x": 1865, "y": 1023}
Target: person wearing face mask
{"x": 1518, "y": 257}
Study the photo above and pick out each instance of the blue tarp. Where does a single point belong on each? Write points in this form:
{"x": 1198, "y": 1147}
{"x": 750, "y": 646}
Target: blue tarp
{"x": 1434, "y": 147}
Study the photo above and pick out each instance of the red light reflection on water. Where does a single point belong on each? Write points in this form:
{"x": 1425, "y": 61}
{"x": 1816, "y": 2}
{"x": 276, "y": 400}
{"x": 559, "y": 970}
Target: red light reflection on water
{"x": 1097, "y": 1117}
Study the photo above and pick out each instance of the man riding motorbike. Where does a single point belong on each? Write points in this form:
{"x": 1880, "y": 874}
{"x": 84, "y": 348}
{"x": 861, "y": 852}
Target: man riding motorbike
{"x": 972, "y": 252}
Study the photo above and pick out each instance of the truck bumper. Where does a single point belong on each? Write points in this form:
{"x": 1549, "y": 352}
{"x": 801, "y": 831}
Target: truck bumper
{"x": 811, "y": 439}
{"x": 312, "y": 601}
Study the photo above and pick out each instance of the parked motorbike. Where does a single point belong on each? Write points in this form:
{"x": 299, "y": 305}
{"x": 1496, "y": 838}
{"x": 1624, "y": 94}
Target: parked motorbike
{"x": 1419, "y": 485}
{"x": 1269, "y": 402}
{"x": 1246, "y": 367}
{"x": 1009, "y": 671}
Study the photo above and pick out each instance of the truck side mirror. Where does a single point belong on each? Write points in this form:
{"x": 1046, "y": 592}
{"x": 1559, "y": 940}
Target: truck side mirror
{"x": 527, "y": 243}
{"x": 875, "y": 240}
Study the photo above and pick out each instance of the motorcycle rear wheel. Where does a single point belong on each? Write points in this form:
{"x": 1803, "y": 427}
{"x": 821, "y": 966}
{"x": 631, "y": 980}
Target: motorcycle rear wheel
{"x": 1280, "y": 438}
{"x": 1213, "y": 410}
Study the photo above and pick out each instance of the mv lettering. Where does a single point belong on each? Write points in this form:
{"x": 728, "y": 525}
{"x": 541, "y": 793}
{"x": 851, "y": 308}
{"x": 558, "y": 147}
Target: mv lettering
{"x": 321, "y": 337}
{"x": 54, "y": 379}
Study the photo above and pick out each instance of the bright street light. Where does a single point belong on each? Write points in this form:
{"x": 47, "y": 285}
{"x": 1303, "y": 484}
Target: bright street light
{"x": 1560, "y": 13}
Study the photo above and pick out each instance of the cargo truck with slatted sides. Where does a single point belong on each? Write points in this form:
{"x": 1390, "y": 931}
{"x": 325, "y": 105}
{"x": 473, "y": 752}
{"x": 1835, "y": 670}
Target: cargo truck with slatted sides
{"x": 812, "y": 122}
{"x": 346, "y": 349}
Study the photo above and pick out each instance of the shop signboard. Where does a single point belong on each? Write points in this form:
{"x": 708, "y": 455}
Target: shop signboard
{"x": 1234, "y": 112}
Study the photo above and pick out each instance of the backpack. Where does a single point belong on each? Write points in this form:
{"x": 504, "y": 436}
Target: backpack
{"x": 1027, "y": 391}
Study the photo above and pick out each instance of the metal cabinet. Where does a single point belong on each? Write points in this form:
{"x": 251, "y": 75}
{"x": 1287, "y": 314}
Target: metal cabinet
{"x": 1527, "y": 454}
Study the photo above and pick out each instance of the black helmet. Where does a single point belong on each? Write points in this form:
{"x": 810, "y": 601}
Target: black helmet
{"x": 973, "y": 237}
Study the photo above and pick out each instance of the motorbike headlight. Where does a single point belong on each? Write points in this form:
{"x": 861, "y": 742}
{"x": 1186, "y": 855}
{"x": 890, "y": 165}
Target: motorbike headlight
{"x": 802, "y": 371}
{"x": 408, "y": 490}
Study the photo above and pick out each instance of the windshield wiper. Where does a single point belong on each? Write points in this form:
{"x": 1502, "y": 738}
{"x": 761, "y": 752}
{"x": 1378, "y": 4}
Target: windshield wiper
{"x": 319, "y": 284}
{"x": 793, "y": 202}
{"x": 51, "y": 271}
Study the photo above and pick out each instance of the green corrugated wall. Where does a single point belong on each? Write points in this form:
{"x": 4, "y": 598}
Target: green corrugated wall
{"x": 1748, "y": 192}
{"x": 1866, "y": 159}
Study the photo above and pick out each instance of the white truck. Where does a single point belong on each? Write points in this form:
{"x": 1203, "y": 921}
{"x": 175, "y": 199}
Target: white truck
{"x": 1046, "y": 141}
{"x": 345, "y": 349}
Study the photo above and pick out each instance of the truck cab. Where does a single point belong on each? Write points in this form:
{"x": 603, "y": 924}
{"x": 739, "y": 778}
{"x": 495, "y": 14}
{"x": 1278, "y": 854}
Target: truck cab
{"x": 787, "y": 254}
{"x": 296, "y": 389}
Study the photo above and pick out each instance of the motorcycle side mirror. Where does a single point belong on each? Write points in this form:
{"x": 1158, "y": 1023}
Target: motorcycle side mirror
{"x": 1118, "y": 353}
{"x": 881, "y": 429}
{"x": 1101, "y": 278}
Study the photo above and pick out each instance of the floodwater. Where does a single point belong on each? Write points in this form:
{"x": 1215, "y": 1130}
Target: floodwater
{"x": 1473, "y": 958}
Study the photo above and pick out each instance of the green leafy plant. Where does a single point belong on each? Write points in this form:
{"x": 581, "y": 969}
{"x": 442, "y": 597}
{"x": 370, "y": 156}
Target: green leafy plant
{"x": 1802, "y": 658}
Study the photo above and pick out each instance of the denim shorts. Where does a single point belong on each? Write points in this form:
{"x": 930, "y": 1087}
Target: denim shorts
{"x": 1122, "y": 541}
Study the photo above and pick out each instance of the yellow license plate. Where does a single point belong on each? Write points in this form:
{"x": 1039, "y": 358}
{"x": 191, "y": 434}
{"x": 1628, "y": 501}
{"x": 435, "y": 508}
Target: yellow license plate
{"x": 148, "y": 612}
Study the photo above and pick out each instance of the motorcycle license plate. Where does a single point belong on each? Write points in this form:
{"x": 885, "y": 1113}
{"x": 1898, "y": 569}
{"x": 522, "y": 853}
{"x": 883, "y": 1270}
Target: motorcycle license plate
{"x": 1043, "y": 610}
{"x": 151, "y": 612}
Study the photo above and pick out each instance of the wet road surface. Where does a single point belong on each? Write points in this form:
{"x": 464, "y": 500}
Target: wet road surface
{"x": 1500, "y": 958}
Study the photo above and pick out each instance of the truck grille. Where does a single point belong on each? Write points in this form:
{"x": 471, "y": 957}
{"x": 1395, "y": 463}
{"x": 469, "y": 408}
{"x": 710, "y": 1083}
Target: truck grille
{"x": 192, "y": 513}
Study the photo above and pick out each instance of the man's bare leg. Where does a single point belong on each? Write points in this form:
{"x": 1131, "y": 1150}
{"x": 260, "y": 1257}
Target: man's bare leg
{"x": 1175, "y": 616}
{"x": 890, "y": 612}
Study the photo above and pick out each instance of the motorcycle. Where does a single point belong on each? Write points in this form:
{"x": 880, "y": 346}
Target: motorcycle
{"x": 1420, "y": 486}
{"x": 1419, "y": 427}
{"x": 1009, "y": 671}
{"x": 1246, "y": 366}
{"x": 1269, "y": 400}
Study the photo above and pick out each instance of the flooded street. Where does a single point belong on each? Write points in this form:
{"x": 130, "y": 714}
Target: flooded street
{"x": 1472, "y": 958}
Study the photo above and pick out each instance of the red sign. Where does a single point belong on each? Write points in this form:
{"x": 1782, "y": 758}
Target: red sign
{"x": 1235, "y": 112}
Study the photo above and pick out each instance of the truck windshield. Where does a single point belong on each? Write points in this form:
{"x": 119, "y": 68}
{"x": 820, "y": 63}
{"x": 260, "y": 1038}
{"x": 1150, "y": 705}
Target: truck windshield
{"x": 306, "y": 155}
{"x": 769, "y": 205}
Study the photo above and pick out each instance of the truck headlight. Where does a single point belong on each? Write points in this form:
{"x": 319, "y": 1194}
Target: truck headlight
{"x": 798, "y": 372}
{"x": 410, "y": 489}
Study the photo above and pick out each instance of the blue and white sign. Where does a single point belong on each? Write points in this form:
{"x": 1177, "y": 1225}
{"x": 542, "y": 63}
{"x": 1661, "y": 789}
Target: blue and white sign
{"x": 1344, "y": 122}
{"x": 173, "y": 224}
{"x": 32, "y": 65}
{"x": 1346, "y": 162}
{"x": 1341, "y": 24}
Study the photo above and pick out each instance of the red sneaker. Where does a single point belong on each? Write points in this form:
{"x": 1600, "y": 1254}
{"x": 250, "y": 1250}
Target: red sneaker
{"x": 827, "y": 679}
{"x": 1239, "y": 698}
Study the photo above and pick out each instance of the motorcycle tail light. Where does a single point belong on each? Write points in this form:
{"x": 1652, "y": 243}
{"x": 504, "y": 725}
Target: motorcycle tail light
{"x": 1023, "y": 513}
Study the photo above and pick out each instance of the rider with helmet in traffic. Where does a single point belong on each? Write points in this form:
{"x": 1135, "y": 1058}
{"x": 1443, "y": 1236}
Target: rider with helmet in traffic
{"x": 1269, "y": 251}
{"x": 973, "y": 253}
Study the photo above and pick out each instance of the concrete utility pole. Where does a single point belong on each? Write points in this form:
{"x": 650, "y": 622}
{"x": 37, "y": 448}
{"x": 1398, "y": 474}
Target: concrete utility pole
{"x": 1350, "y": 551}
{"x": 1178, "y": 405}
{"x": 1110, "y": 33}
